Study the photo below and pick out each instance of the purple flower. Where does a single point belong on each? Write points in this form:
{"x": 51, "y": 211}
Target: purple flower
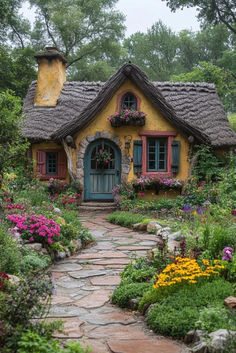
{"x": 228, "y": 254}
{"x": 187, "y": 208}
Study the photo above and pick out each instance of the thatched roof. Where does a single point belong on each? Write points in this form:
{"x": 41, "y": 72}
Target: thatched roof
{"x": 193, "y": 108}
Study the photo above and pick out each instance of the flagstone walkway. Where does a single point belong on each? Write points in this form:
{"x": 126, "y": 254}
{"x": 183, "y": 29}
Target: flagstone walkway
{"x": 84, "y": 283}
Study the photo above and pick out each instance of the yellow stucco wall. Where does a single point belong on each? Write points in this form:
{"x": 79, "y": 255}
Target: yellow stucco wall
{"x": 51, "y": 77}
{"x": 154, "y": 121}
{"x": 45, "y": 146}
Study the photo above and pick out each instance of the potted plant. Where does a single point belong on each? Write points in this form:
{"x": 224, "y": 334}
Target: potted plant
{"x": 103, "y": 158}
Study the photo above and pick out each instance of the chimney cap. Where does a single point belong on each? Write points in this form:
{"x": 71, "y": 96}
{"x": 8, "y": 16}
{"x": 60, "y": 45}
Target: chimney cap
{"x": 51, "y": 53}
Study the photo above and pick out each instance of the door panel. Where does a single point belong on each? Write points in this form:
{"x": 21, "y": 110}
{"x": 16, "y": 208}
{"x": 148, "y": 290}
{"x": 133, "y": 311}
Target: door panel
{"x": 101, "y": 177}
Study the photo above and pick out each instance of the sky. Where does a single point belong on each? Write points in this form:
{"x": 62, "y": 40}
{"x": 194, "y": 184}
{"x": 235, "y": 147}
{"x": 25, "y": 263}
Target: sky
{"x": 141, "y": 14}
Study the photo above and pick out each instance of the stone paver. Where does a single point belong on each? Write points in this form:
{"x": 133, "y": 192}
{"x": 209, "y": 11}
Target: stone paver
{"x": 84, "y": 283}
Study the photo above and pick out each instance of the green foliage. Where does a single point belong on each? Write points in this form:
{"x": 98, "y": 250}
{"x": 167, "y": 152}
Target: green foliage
{"x": 12, "y": 144}
{"x": 124, "y": 293}
{"x": 214, "y": 318}
{"x": 177, "y": 313}
{"x": 154, "y": 51}
{"x": 33, "y": 261}
{"x": 125, "y": 218}
{"x": 208, "y": 165}
{"x": 208, "y": 72}
{"x": 232, "y": 121}
{"x": 23, "y": 302}
{"x": 10, "y": 256}
{"x": 138, "y": 270}
{"x": 32, "y": 342}
{"x": 222, "y": 11}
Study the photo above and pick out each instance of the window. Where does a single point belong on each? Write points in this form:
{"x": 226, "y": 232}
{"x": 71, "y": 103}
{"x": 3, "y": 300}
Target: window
{"x": 156, "y": 155}
{"x": 129, "y": 101}
{"x": 51, "y": 163}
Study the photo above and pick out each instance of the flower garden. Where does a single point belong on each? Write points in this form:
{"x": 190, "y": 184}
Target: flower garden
{"x": 184, "y": 287}
{"x": 38, "y": 225}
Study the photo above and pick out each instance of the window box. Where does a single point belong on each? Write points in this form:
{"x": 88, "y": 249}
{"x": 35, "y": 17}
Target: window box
{"x": 128, "y": 117}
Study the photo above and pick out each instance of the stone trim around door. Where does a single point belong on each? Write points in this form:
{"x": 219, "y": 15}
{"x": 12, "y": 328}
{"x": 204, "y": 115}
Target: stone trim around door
{"x": 125, "y": 161}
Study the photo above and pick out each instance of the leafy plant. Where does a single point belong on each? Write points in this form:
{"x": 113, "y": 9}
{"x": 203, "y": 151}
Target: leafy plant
{"x": 124, "y": 293}
{"x": 177, "y": 313}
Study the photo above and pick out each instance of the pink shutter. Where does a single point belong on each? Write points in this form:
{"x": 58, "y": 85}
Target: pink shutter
{"x": 62, "y": 164}
{"x": 41, "y": 162}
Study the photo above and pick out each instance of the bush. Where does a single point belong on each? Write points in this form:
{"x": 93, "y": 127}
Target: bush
{"x": 139, "y": 270}
{"x": 214, "y": 318}
{"x": 126, "y": 219}
{"x": 10, "y": 256}
{"x": 177, "y": 313}
{"x": 31, "y": 342}
{"x": 21, "y": 303}
{"x": 124, "y": 293}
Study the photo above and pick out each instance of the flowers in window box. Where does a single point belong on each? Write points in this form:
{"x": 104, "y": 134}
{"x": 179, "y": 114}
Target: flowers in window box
{"x": 103, "y": 158}
{"x": 127, "y": 117}
{"x": 146, "y": 183}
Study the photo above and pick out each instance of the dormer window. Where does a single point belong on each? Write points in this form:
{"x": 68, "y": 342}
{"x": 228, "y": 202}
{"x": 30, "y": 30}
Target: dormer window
{"x": 129, "y": 101}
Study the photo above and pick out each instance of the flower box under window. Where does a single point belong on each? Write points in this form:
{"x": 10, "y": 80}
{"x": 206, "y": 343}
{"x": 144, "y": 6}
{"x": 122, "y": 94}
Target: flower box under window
{"x": 127, "y": 117}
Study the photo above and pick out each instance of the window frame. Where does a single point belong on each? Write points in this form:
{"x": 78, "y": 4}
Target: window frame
{"x": 169, "y": 135}
{"x": 133, "y": 97}
{"x": 120, "y": 99}
{"x": 41, "y": 167}
{"x": 157, "y": 141}
{"x": 47, "y": 163}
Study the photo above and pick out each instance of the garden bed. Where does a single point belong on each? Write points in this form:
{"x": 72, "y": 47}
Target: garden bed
{"x": 38, "y": 225}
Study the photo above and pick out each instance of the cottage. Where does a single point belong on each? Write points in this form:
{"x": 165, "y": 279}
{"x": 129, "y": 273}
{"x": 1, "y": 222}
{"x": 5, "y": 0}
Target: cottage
{"x": 104, "y": 133}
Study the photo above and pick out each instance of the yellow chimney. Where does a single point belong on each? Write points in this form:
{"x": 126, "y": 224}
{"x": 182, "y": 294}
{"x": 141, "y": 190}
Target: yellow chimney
{"x": 51, "y": 77}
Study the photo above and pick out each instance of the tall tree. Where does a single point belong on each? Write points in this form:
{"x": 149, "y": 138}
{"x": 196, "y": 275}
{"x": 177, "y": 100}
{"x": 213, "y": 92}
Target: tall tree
{"x": 224, "y": 82}
{"x": 80, "y": 28}
{"x": 155, "y": 52}
{"x": 210, "y": 11}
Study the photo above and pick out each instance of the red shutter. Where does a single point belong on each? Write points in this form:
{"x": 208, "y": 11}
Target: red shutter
{"x": 62, "y": 164}
{"x": 41, "y": 162}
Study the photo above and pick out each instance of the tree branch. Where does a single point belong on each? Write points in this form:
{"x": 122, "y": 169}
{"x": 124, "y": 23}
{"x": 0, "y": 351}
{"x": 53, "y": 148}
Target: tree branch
{"x": 48, "y": 29}
{"x": 18, "y": 35}
{"x": 80, "y": 58}
{"x": 222, "y": 18}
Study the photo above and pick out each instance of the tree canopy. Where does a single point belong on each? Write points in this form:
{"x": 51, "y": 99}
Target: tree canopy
{"x": 210, "y": 11}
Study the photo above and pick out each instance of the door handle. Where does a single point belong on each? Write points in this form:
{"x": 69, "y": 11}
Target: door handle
{"x": 117, "y": 172}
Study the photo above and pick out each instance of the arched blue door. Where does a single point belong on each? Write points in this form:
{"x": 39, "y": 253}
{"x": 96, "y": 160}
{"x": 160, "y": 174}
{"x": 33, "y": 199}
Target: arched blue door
{"x": 102, "y": 170}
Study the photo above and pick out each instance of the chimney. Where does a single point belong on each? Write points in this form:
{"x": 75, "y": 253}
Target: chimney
{"x": 51, "y": 76}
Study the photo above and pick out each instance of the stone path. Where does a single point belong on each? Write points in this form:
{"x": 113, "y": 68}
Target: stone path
{"x": 84, "y": 283}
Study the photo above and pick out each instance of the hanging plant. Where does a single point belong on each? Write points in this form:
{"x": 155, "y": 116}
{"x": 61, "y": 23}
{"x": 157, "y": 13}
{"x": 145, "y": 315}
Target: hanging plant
{"x": 127, "y": 117}
{"x": 103, "y": 158}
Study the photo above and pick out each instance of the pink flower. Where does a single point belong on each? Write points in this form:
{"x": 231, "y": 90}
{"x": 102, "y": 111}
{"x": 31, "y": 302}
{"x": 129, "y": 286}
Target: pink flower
{"x": 31, "y": 239}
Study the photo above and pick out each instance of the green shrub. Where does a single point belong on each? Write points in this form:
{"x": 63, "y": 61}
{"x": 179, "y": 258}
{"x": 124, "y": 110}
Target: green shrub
{"x": 177, "y": 313}
{"x": 139, "y": 270}
{"x": 10, "y": 256}
{"x": 33, "y": 261}
{"x": 124, "y": 218}
{"x": 124, "y": 293}
{"x": 214, "y": 318}
{"x": 167, "y": 320}
{"x": 31, "y": 342}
